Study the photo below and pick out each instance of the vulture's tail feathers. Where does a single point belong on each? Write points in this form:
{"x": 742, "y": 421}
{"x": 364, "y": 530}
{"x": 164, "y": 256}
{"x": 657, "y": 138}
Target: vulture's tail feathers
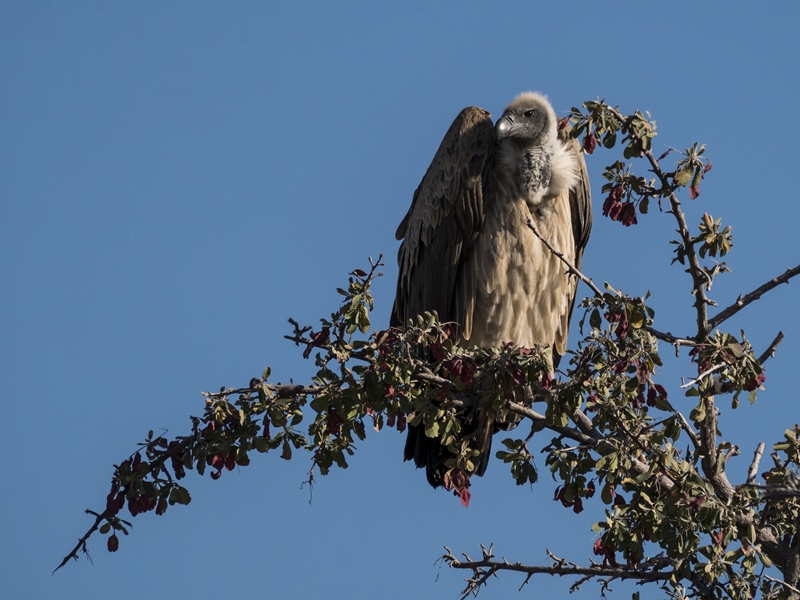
{"x": 426, "y": 453}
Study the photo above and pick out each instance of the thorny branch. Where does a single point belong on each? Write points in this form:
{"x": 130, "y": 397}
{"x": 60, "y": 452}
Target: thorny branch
{"x": 743, "y": 301}
{"x": 486, "y": 567}
{"x": 81, "y": 545}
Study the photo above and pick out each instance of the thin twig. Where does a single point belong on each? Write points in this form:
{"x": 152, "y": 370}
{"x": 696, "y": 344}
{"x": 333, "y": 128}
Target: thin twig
{"x": 743, "y": 301}
{"x": 666, "y": 337}
{"x": 572, "y": 268}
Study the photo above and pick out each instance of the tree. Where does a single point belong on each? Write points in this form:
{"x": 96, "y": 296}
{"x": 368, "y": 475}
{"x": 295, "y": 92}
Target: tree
{"x": 672, "y": 517}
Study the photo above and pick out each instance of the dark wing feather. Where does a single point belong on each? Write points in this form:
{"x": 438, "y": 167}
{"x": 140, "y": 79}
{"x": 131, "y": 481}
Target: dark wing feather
{"x": 438, "y": 232}
{"x": 445, "y": 216}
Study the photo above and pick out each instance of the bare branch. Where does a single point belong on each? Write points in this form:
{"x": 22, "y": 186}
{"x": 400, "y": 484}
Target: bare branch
{"x": 486, "y": 567}
{"x": 783, "y": 583}
{"x": 753, "y": 470}
{"x": 702, "y": 376}
{"x": 743, "y": 301}
{"x": 81, "y": 545}
{"x": 688, "y": 429}
{"x": 670, "y": 339}
{"x": 770, "y": 351}
{"x": 666, "y": 337}
{"x": 572, "y": 268}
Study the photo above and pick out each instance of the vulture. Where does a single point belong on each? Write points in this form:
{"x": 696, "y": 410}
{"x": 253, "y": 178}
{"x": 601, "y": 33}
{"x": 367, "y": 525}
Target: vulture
{"x": 468, "y": 254}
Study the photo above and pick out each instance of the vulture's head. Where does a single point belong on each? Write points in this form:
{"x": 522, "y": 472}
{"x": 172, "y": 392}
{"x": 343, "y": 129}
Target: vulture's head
{"x": 529, "y": 119}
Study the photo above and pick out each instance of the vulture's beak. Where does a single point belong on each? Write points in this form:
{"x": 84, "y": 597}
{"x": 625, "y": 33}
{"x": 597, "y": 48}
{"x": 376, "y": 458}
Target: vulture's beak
{"x": 504, "y": 125}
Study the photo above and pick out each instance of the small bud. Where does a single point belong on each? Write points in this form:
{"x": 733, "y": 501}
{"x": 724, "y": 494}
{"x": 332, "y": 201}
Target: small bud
{"x": 113, "y": 543}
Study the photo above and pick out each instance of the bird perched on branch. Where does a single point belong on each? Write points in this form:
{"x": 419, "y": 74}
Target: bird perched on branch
{"x": 468, "y": 254}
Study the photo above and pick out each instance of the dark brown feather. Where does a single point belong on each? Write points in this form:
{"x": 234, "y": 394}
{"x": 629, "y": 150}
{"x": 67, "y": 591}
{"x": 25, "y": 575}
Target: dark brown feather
{"x": 445, "y": 215}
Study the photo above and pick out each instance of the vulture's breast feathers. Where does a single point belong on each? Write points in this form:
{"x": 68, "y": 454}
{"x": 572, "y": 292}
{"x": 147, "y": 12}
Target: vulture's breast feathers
{"x": 522, "y": 292}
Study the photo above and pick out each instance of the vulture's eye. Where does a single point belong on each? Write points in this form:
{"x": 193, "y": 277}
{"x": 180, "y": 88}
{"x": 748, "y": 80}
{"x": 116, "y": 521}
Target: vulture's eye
{"x": 530, "y": 113}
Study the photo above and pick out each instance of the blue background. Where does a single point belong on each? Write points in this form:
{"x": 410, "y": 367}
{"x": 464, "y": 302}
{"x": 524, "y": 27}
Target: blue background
{"x": 177, "y": 179}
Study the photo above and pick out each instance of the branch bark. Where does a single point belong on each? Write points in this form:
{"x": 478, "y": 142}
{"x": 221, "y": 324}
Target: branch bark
{"x": 743, "y": 301}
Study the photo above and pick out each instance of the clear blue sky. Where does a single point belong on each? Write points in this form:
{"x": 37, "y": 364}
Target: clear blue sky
{"x": 177, "y": 179}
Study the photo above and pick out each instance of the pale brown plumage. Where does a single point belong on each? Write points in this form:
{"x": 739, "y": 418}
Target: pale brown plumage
{"x": 467, "y": 252}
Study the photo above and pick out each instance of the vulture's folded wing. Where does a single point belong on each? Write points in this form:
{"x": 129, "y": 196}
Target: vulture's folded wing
{"x": 580, "y": 199}
{"x": 445, "y": 215}
{"x": 580, "y": 205}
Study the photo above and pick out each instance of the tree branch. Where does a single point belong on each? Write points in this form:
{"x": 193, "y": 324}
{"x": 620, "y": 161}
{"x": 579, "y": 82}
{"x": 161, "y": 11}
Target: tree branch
{"x": 783, "y": 583}
{"x": 573, "y": 270}
{"x": 669, "y": 338}
{"x": 280, "y": 390}
{"x": 770, "y": 351}
{"x": 743, "y": 301}
{"x": 486, "y": 567}
{"x": 81, "y": 545}
{"x": 752, "y": 472}
{"x": 699, "y": 277}
{"x": 688, "y": 429}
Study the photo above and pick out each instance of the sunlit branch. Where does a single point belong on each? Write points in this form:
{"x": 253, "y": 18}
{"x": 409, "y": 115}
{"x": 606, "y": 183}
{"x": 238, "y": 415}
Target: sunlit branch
{"x": 753, "y": 470}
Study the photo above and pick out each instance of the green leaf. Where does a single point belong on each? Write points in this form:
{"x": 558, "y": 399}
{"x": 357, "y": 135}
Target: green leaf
{"x": 698, "y": 414}
{"x": 432, "y": 429}
{"x": 179, "y": 495}
{"x": 265, "y": 375}
{"x": 609, "y": 139}
{"x": 684, "y": 175}
{"x": 636, "y": 319}
{"x": 605, "y": 494}
{"x": 595, "y": 321}
{"x": 662, "y": 404}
